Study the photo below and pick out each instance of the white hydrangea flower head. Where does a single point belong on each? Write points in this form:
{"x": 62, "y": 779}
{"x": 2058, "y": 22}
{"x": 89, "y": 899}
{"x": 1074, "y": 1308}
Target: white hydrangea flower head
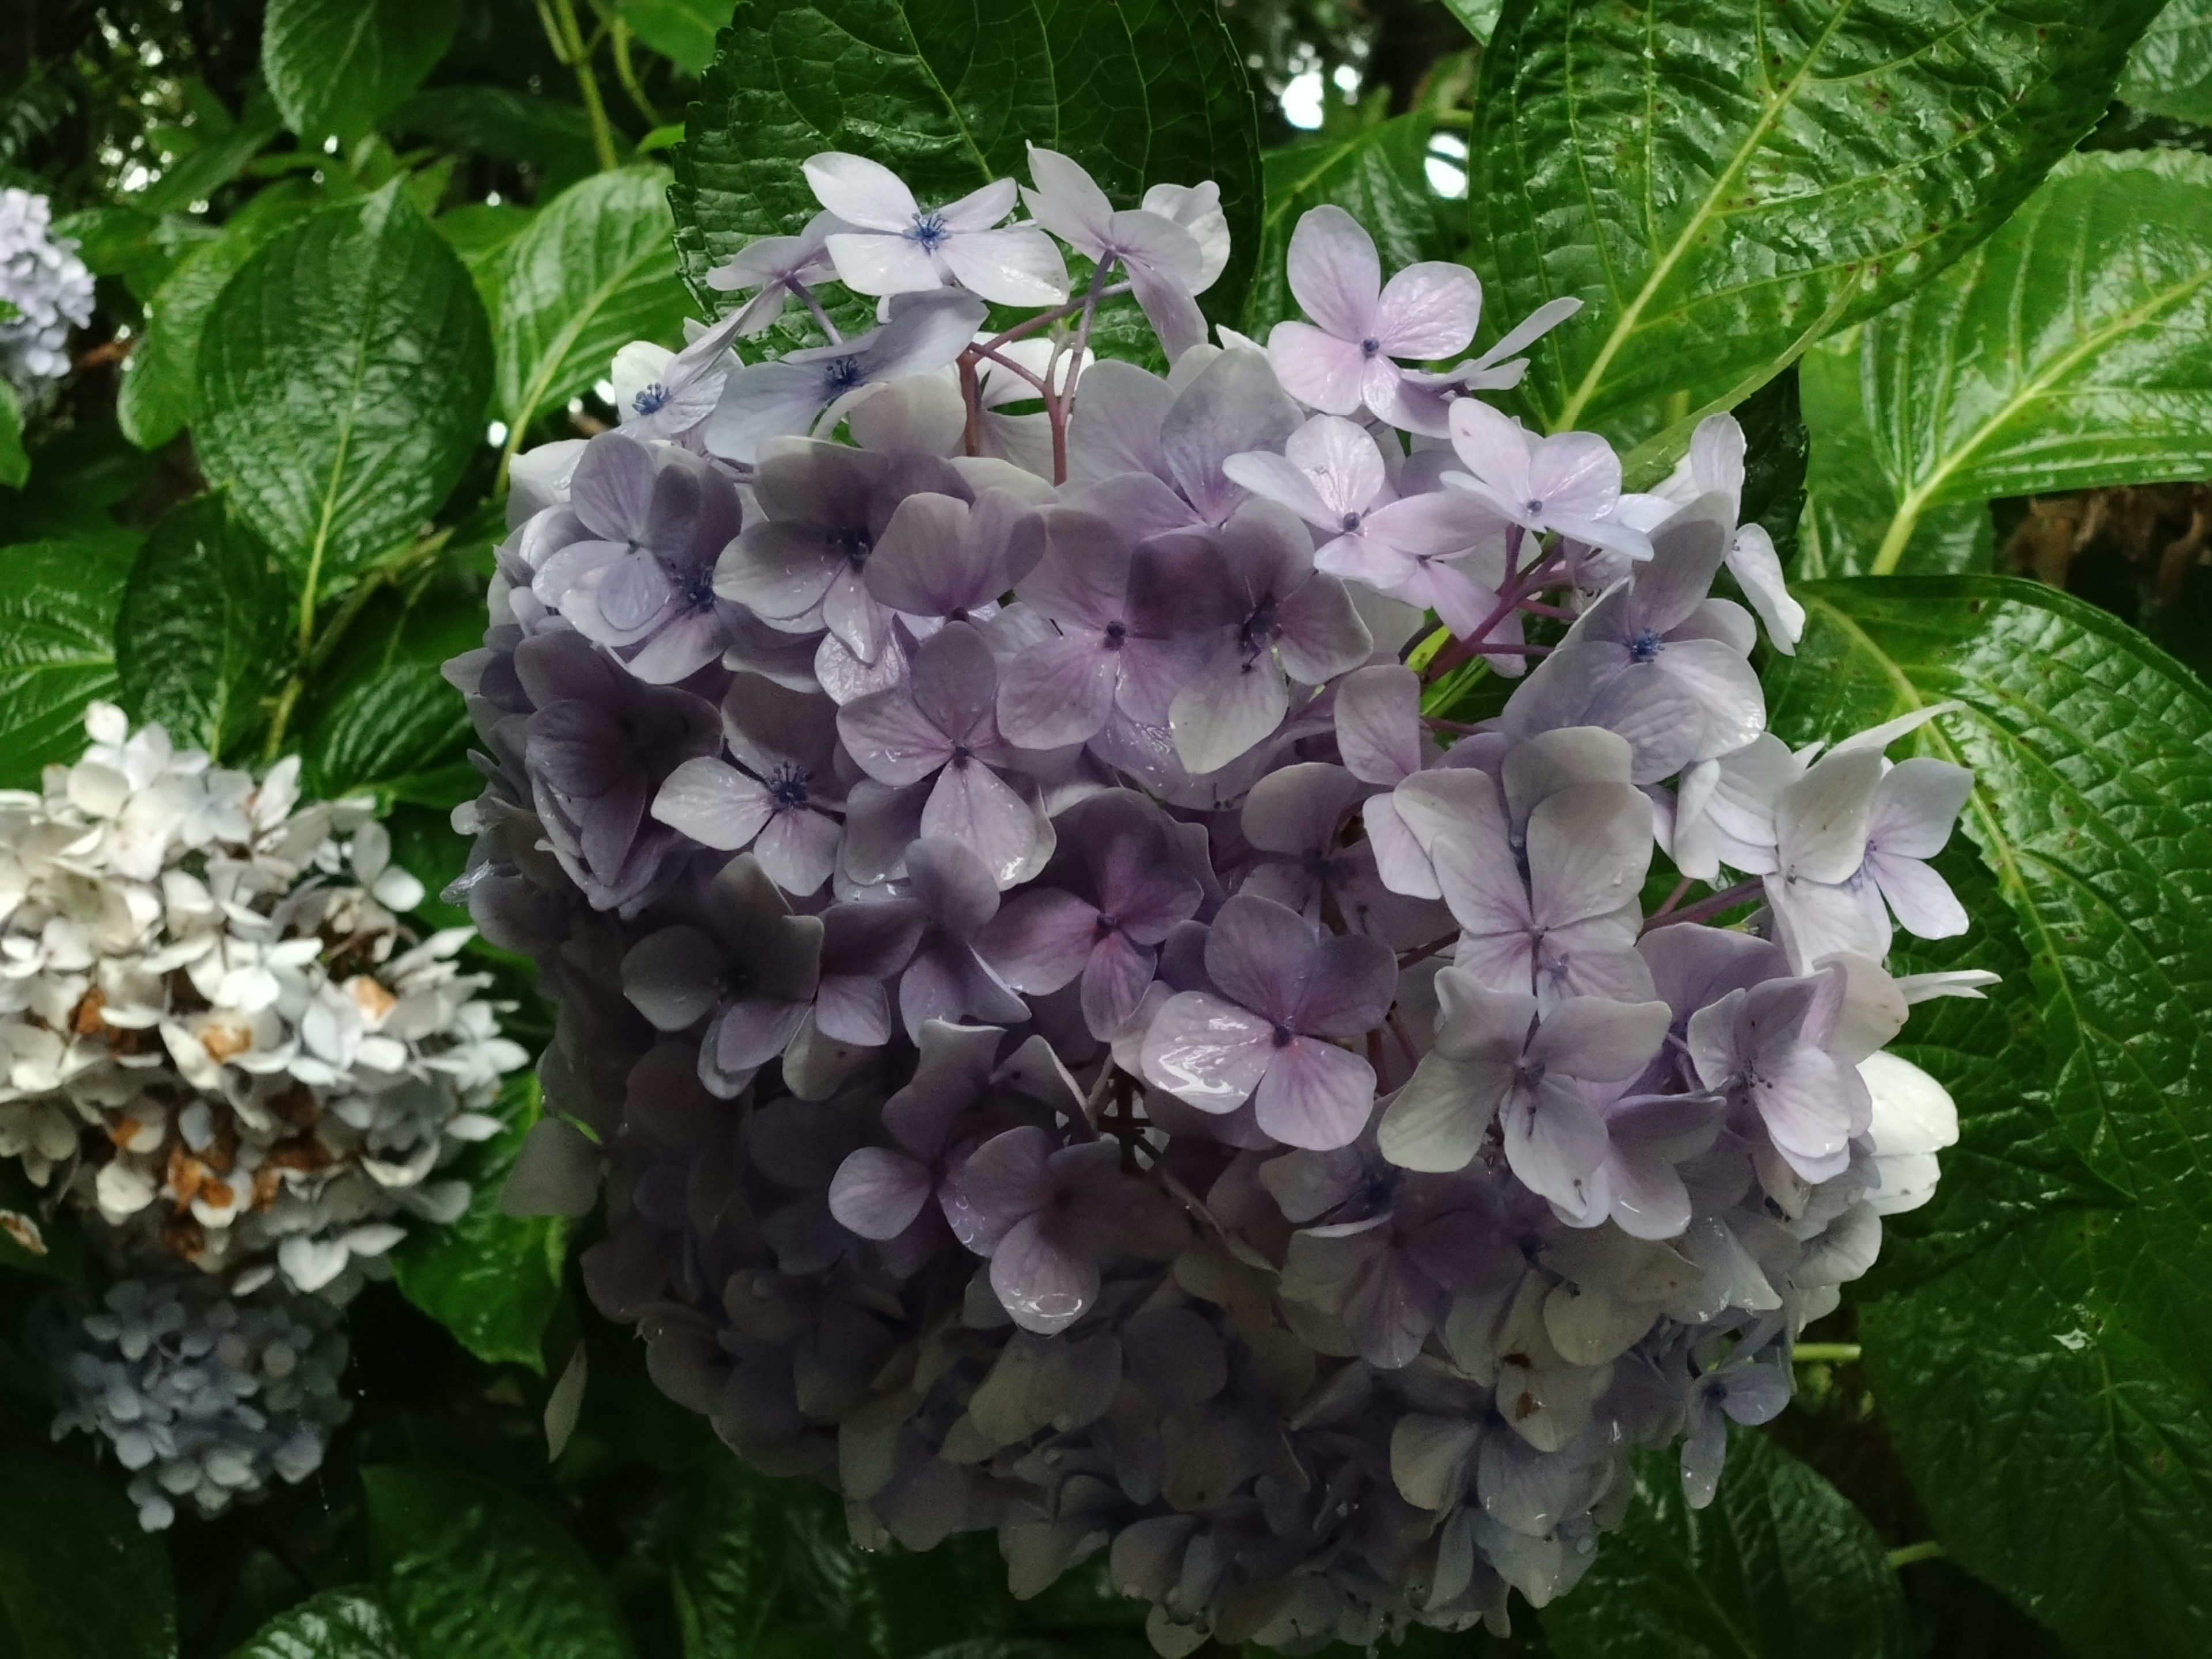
{"x": 218, "y": 1036}
{"x": 44, "y": 287}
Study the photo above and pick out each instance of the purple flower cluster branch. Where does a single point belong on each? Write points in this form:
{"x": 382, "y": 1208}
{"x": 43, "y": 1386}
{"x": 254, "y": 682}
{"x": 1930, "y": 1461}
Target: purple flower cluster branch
{"x": 1068, "y": 1043}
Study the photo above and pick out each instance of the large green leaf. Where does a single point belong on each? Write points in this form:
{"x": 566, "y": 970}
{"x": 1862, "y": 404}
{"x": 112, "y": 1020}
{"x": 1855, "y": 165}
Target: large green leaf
{"x": 1141, "y": 92}
{"x": 682, "y": 30}
{"x": 594, "y": 271}
{"x": 491, "y": 1279}
{"x": 2170, "y": 72}
{"x": 57, "y": 604}
{"x": 344, "y": 374}
{"x": 159, "y": 395}
{"x": 338, "y": 67}
{"x": 398, "y": 732}
{"x": 1375, "y": 173}
{"x": 2052, "y": 1395}
{"x": 2073, "y": 348}
{"x": 466, "y": 1567}
{"x": 79, "y": 1578}
{"x": 1780, "y": 1565}
{"x": 551, "y": 138}
{"x": 201, "y": 637}
{"x": 338, "y": 1624}
{"x": 1723, "y": 181}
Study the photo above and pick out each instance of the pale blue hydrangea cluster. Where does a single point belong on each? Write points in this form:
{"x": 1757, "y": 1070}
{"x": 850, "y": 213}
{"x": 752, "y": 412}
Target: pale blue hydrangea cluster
{"x": 1067, "y": 1042}
{"x": 44, "y": 289}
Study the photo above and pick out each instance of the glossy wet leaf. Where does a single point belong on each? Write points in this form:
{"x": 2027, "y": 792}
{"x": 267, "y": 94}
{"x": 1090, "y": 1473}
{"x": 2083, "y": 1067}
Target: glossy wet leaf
{"x": 1722, "y": 182}
{"x": 465, "y": 1567}
{"x": 79, "y": 1578}
{"x": 343, "y": 375}
{"x": 682, "y": 31}
{"x": 2072, "y": 350}
{"x": 592, "y": 272}
{"x": 57, "y": 604}
{"x": 204, "y": 629}
{"x": 1376, "y": 174}
{"x": 336, "y": 1623}
{"x": 1142, "y": 93}
{"x": 1778, "y": 1566}
{"x": 339, "y": 66}
{"x": 1775, "y": 451}
{"x": 491, "y": 1279}
{"x": 2052, "y": 1395}
{"x": 2170, "y": 72}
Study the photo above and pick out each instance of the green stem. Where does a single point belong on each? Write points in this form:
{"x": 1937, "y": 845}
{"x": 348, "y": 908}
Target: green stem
{"x": 626, "y": 72}
{"x": 1928, "y": 1551}
{"x": 390, "y": 573}
{"x": 1892, "y": 551}
{"x": 280, "y": 719}
{"x": 569, "y": 40}
{"x": 1826, "y": 1353}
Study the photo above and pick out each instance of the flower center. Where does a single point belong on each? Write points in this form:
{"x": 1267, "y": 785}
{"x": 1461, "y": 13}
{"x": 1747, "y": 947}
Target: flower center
{"x": 927, "y": 232}
{"x": 1283, "y": 1035}
{"x": 1258, "y": 628}
{"x": 650, "y": 400}
{"x": 1370, "y": 348}
{"x": 1349, "y": 521}
{"x": 1644, "y": 646}
{"x": 698, "y": 591}
{"x": 842, "y": 375}
{"x": 788, "y": 785}
{"x": 1117, "y": 635}
{"x": 1534, "y": 506}
{"x": 854, "y": 544}
{"x": 1108, "y": 921}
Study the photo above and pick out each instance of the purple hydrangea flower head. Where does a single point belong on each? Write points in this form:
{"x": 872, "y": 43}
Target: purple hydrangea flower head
{"x": 1283, "y": 994}
{"x": 941, "y": 558}
{"x": 1149, "y": 454}
{"x": 1099, "y": 913}
{"x": 887, "y": 243}
{"x": 780, "y": 797}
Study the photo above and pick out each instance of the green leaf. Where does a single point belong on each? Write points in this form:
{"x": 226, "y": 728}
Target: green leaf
{"x": 189, "y": 182}
{"x": 682, "y": 31}
{"x": 159, "y": 395}
{"x": 338, "y": 67}
{"x": 1779, "y": 1566}
{"x": 2051, "y": 1396}
{"x": 344, "y": 374}
{"x": 2072, "y": 350}
{"x": 140, "y": 247}
{"x": 468, "y": 1568}
{"x": 1376, "y": 173}
{"x": 203, "y": 629}
{"x": 79, "y": 1577}
{"x": 14, "y": 463}
{"x": 338, "y": 1624}
{"x": 594, "y": 271}
{"x": 58, "y": 605}
{"x": 551, "y": 138}
{"x": 491, "y": 1279}
{"x": 391, "y": 733}
{"x": 1142, "y": 92}
{"x": 1479, "y": 16}
{"x": 1775, "y": 445}
{"x": 1721, "y": 184}
{"x": 2170, "y": 71}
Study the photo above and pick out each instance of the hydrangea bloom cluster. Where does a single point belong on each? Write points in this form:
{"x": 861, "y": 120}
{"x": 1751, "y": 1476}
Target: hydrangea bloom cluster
{"x": 203, "y": 1395}
{"x": 222, "y": 1051}
{"x": 216, "y": 1041}
{"x": 1068, "y": 1043}
{"x": 44, "y": 287}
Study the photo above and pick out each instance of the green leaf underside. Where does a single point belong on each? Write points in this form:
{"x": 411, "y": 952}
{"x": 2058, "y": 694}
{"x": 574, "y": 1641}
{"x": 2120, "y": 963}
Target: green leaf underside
{"x": 594, "y": 271}
{"x": 338, "y": 1624}
{"x": 1142, "y": 92}
{"x": 2072, "y": 350}
{"x": 1377, "y": 175}
{"x": 159, "y": 394}
{"x": 202, "y": 631}
{"x": 2170, "y": 71}
{"x": 1723, "y": 181}
{"x": 58, "y": 605}
{"x": 466, "y": 1568}
{"x": 343, "y": 376}
{"x": 1779, "y": 1566}
{"x": 2080, "y": 1481}
{"x": 339, "y": 66}
{"x": 79, "y": 1578}
{"x": 491, "y": 1279}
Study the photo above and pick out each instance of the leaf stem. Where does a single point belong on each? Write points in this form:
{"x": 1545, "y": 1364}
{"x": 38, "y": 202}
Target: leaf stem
{"x": 1927, "y": 1551}
{"x": 626, "y": 71}
{"x": 568, "y": 46}
{"x": 1825, "y": 1353}
{"x": 282, "y": 717}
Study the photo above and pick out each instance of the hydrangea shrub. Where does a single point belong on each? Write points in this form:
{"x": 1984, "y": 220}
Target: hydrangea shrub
{"x": 1070, "y": 1043}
